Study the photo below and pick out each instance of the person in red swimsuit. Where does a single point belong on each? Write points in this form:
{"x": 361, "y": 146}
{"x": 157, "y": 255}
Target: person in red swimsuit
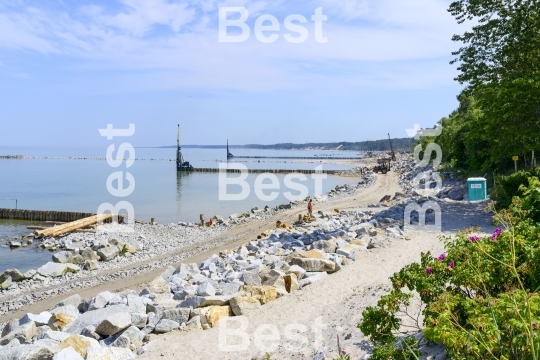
{"x": 310, "y": 208}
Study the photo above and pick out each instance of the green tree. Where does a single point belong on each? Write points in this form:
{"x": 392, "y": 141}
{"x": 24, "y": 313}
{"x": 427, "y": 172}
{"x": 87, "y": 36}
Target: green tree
{"x": 500, "y": 64}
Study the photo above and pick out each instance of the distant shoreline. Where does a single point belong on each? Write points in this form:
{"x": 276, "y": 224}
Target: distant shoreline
{"x": 399, "y": 144}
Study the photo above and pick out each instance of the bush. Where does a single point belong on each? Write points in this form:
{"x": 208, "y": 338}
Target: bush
{"x": 508, "y": 186}
{"x": 480, "y": 298}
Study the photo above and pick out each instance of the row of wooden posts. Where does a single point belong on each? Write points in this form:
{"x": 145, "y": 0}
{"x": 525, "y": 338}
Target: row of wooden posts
{"x": 42, "y": 215}
{"x": 274, "y": 171}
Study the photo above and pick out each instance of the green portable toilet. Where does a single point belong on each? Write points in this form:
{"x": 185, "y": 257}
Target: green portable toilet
{"x": 477, "y": 189}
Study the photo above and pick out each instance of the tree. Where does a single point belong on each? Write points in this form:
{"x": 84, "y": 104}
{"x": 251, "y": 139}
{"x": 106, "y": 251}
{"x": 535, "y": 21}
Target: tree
{"x": 500, "y": 64}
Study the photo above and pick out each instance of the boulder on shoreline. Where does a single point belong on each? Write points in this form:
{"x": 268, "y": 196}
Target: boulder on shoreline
{"x": 52, "y": 269}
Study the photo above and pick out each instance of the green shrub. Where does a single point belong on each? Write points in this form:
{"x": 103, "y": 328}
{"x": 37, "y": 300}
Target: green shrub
{"x": 480, "y": 298}
{"x": 508, "y": 186}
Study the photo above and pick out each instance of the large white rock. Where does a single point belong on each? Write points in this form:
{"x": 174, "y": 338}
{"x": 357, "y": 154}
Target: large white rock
{"x": 109, "y": 353}
{"x": 205, "y": 289}
{"x": 114, "y": 323}
{"x": 251, "y": 278}
{"x": 243, "y": 304}
{"x": 314, "y": 265}
{"x": 23, "y": 333}
{"x": 74, "y": 300}
{"x": 108, "y": 253}
{"x": 165, "y": 326}
{"x": 63, "y": 317}
{"x": 63, "y": 257}
{"x": 39, "y": 350}
{"x": 201, "y": 301}
{"x": 52, "y": 269}
{"x": 100, "y": 300}
{"x": 180, "y": 315}
{"x": 68, "y": 354}
{"x": 15, "y": 275}
{"x": 41, "y": 319}
{"x": 135, "y": 304}
{"x": 328, "y": 246}
{"x": 189, "y": 269}
{"x": 139, "y": 320}
{"x": 57, "y": 336}
{"x": 79, "y": 343}
{"x": 95, "y": 317}
{"x": 297, "y": 270}
{"x": 158, "y": 286}
{"x": 310, "y": 280}
{"x": 132, "y": 336}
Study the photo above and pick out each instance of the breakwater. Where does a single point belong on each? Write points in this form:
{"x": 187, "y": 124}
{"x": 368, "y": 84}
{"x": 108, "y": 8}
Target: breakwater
{"x": 42, "y": 215}
{"x": 273, "y": 171}
{"x": 297, "y": 157}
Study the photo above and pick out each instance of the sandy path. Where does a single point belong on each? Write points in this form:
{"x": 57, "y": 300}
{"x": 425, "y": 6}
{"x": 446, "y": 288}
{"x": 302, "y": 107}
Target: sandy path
{"x": 338, "y": 300}
{"x": 385, "y": 184}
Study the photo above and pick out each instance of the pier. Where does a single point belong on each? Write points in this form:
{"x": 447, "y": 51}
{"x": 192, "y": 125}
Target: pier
{"x": 296, "y": 157}
{"x": 273, "y": 171}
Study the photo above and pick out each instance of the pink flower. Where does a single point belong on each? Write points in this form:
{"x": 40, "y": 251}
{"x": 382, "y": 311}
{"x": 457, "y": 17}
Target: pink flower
{"x": 441, "y": 257}
{"x": 429, "y": 270}
{"x": 474, "y": 238}
{"x": 496, "y": 233}
{"x": 451, "y": 264}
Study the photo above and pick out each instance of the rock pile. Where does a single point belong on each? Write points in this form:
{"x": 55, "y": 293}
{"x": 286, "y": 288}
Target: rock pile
{"x": 78, "y": 255}
{"x": 452, "y": 187}
{"x": 154, "y": 240}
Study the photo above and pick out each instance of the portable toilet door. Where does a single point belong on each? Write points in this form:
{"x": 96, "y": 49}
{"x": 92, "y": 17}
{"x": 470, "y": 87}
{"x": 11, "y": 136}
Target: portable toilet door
{"x": 477, "y": 189}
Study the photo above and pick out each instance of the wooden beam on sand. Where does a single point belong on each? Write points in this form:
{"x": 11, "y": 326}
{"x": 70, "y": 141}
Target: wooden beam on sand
{"x": 72, "y": 226}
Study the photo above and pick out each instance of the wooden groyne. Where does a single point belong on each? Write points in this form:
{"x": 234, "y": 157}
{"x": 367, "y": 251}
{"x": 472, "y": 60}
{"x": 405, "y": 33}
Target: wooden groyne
{"x": 296, "y": 157}
{"x": 55, "y": 216}
{"x": 273, "y": 171}
{"x": 42, "y": 215}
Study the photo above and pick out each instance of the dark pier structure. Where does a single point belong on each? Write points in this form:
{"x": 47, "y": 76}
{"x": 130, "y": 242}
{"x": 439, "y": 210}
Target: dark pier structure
{"x": 181, "y": 165}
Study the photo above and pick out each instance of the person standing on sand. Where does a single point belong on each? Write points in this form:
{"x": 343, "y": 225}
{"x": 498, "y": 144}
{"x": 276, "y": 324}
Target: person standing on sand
{"x": 310, "y": 208}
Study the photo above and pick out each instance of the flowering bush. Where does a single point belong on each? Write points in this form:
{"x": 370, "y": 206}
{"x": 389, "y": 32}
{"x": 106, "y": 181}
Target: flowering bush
{"x": 480, "y": 298}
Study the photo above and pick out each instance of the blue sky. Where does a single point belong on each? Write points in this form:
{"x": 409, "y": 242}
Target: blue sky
{"x": 68, "y": 68}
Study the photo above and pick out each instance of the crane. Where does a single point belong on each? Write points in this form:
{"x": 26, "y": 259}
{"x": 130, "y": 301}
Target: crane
{"x": 391, "y": 153}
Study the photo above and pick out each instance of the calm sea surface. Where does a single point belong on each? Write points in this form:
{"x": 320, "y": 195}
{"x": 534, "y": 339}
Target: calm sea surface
{"x": 56, "y": 183}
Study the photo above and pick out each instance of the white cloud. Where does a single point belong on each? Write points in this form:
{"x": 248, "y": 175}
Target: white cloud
{"x": 128, "y": 37}
{"x": 141, "y": 16}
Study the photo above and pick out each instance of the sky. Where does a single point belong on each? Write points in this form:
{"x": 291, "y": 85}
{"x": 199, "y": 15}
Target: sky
{"x": 69, "y": 68}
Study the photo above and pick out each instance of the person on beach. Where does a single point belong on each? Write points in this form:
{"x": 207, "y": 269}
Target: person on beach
{"x": 310, "y": 208}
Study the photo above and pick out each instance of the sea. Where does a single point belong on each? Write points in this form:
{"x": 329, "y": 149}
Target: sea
{"x": 75, "y": 179}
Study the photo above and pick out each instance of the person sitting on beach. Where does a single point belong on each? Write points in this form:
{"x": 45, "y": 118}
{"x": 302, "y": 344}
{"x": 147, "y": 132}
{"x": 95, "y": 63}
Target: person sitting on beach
{"x": 310, "y": 208}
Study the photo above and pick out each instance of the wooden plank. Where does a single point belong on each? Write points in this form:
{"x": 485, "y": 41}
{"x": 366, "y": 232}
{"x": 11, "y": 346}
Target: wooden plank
{"x": 72, "y": 226}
